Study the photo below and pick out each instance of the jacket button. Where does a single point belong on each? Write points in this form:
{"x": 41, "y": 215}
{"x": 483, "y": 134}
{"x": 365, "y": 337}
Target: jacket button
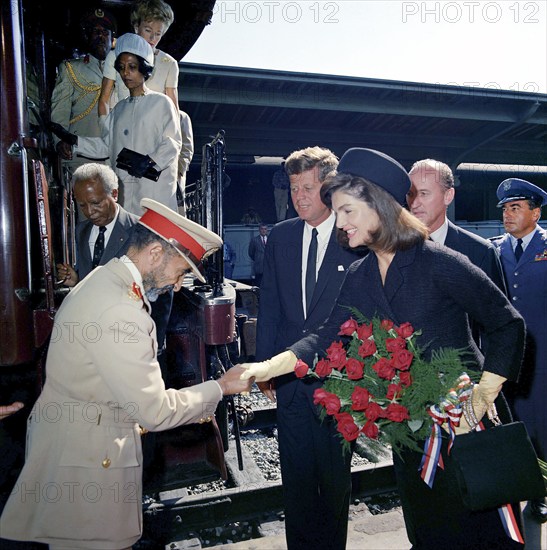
{"x": 106, "y": 463}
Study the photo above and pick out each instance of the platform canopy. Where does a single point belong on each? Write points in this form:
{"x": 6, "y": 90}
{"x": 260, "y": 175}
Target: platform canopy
{"x": 271, "y": 113}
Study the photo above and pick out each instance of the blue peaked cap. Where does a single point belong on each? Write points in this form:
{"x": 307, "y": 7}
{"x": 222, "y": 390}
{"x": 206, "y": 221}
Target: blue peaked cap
{"x": 514, "y": 189}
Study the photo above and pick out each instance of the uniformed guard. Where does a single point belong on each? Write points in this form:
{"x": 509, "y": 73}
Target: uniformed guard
{"x": 78, "y": 86}
{"x": 523, "y": 252}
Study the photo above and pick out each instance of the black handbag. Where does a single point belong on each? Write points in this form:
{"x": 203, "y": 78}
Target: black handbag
{"x": 497, "y": 466}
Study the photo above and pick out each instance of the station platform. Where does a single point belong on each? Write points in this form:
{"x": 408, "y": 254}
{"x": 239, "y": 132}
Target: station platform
{"x": 378, "y": 532}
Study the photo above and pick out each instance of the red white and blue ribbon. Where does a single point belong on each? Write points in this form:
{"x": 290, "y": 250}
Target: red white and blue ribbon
{"x": 432, "y": 456}
{"x": 448, "y": 411}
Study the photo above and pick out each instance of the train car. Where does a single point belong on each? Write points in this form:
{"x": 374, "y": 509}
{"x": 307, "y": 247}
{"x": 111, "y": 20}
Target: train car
{"x": 37, "y": 223}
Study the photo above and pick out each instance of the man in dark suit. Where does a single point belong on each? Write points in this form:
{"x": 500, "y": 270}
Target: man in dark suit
{"x": 431, "y": 193}
{"x": 523, "y": 252}
{"x": 257, "y": 246}
{"x": 295, "y": 299}
{"x": 103, "y": 235}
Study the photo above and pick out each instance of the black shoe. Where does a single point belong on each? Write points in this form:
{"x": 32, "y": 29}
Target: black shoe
{"x": 538, "y": 510}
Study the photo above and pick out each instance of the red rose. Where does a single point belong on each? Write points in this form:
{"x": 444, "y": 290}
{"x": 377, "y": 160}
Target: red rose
{"x": 367, "y": 348}
{"x": 319, "y": 396}
{"x": 323, "y": 368}
{"x": 301, "y": 369}
{"x": 370, "y": 430}
{"x": 374, "y": 411}
{"x": 393, "y": 344}
{"x": 360, "y": 399}
{"x": 405, "y": 378}
{"x": 354, "y": 369}
{"x": 405, "y": 330}
{"x": 346, "y": 426}
{"x": 402, "y": 359}
{"x": 331, "y": 402}
{"x": 386, "y": 324}
{"x": 348, "y": 328}
{"x": 364, "y": 331}
{"x": 337, "y": 355}
{"x": 384, "y": 368}
{"x": 394, "y": 391}
{"x": 396, "y": 412}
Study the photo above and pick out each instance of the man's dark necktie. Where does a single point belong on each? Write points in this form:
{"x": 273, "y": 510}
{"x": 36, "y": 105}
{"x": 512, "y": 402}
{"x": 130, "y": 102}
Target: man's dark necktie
{"x": 310, "y": 269}
{"x": 518, "y": 249}
{"x": 99, "y": 247}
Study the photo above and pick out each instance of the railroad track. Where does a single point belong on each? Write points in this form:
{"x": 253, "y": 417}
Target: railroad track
{"x": 247, "y": 499}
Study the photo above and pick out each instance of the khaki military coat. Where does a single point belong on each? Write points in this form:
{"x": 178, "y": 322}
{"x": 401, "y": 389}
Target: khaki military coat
{"x": 81, "y": 483}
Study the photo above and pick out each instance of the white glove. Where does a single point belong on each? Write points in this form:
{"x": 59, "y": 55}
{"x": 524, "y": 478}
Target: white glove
{"x": 276, "y": 366}
{"x": 486, "y": 392}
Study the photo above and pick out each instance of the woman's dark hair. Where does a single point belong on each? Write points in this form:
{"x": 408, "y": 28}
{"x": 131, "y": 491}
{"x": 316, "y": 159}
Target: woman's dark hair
{"x": 398, "y": 230}
{"x": 144, "y": 67}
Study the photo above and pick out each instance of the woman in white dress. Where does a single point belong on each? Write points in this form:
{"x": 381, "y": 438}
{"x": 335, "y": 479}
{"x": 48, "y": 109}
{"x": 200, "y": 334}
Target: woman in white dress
{"x": 147, "y": 123}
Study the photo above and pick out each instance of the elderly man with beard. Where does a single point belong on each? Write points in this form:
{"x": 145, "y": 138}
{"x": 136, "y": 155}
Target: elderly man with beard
{"x": 103, "y": 384}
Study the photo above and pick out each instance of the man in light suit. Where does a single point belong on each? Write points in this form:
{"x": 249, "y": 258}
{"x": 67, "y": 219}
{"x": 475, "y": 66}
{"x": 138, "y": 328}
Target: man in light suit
{"x": 316, "y": 473}
{"x": 524, "y": 258}
{"x": 95, "y": 188}
{"x": 257, "y": 246}
{"x": 103, "y": 384}
{"x": 431, "y": 193}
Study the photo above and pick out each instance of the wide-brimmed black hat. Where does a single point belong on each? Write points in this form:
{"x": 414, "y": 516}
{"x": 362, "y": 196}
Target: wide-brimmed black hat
{"x": 378, "y": 168}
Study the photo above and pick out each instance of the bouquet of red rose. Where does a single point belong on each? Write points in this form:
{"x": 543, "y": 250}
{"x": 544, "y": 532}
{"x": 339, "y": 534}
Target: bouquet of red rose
{"x": 377, "y": 385}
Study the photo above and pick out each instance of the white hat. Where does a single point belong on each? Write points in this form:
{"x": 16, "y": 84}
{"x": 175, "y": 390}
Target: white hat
{"x": 135, "y": 44}
{"x": 192, "y": 241}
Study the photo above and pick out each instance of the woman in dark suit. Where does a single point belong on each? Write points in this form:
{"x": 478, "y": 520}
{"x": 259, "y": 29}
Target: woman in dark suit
{"x": 407, "y": 278}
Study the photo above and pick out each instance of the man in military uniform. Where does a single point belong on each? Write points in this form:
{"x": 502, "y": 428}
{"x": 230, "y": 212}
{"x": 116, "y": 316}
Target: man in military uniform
{"x": 104, "y": 387}
{"x": 78, "y": 85}
{"x": 523, "y": 252}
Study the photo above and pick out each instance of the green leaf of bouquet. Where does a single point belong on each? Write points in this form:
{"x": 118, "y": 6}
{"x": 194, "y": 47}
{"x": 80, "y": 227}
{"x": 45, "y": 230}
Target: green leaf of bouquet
{"x": 415, "y": 425}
